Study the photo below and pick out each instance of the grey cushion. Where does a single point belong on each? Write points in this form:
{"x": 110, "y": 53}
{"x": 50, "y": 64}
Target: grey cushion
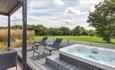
{"x": 8, "y": 59}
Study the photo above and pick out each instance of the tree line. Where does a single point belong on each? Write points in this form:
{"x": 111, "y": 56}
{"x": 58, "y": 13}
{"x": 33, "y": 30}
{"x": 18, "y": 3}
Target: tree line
{"x": 41, "y": 30}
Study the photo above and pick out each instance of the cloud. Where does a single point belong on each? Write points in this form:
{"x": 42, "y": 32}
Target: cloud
{"x": 68, "y": 21}
{"x": 3, "y": 20}
{"x": 72, "y": 11}
{"x": 87, "y": 5}
{"x": 52, "y": 13}
{"x": 42, "y": 20}
{"x": 58, "y": 2}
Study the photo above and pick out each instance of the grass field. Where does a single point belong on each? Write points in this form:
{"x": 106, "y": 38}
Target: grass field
{"x": 78, "y": 38}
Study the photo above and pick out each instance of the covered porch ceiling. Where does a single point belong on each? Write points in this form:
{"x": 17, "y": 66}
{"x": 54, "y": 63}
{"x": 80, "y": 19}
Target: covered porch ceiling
{"x": 8, "y": 7}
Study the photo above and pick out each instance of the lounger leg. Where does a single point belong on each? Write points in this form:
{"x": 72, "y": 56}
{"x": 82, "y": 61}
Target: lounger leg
{"x": 32, "y": 48}
{"x": 16, "y": 62}
{"x": 50, "y": 52}
{"x": 16, "y": 67}
{"x": 33, "y": 54}
{"x": 36, "y": 47}
{"x": 38, "y": 56}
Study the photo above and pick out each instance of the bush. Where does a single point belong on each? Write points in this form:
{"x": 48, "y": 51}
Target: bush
{"x": 3, "y": 35}
{"x": 16, "y": 37}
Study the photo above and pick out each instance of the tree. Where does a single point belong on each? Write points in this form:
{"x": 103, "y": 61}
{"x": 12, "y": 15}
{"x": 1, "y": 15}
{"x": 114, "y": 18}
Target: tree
{"x": 31, "y": 27}
{"x": 64, "y": 30}
{"x": 17, "y": 27}
{"x": 40, "y": 30}
{"x": 52, "y": 31}
{"x": 102, "y": 18}
{"x": 78, "y": 30}
{"x": 91, "y": 32}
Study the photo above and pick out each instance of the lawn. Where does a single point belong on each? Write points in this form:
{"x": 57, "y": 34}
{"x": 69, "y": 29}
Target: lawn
{"x": 79, "y": 38}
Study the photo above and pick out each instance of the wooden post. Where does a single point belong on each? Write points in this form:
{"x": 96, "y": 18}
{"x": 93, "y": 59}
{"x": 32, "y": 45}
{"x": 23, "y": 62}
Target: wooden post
{"x": 24, "y": 35}
{"x": 8, "y": 31}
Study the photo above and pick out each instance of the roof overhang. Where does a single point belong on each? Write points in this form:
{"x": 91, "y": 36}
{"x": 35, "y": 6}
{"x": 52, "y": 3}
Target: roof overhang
{"x": 8, "y": 7}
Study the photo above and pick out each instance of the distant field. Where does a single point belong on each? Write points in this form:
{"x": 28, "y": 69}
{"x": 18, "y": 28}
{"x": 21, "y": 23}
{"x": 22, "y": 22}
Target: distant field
{"x": 79, "y": 38}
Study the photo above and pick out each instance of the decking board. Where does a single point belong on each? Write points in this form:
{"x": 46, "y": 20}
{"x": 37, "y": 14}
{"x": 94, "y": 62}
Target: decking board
{"x": 35, "y": 63}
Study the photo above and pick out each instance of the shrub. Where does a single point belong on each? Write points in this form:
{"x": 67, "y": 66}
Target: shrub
{"x": 3, "y": 35}
{"x": 16, "y": 38}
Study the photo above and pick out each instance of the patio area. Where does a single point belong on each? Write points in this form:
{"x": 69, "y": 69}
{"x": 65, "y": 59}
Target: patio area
{"x": 46, "y": 54}
{"x": 44, "y": 62}
{"x": 36, "y": 63}
{"x": 52, "y": 62}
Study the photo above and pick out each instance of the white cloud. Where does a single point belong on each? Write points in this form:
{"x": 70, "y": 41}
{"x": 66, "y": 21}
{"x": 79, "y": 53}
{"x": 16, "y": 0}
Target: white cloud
{"x": 59, "y": 13}
{"x": 72, "y": 11}
{"x": 39, "y": 3}
{"x": 87, "y": 4}
{"x": 59, "y": 2}
{"x": 68, "y": 21}
{"x": 3, "y": 21}
{"x": 42, "y": 20}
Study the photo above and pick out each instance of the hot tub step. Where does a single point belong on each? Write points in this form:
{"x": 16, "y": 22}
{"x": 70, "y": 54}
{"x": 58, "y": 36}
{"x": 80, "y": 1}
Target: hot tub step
{"x": 59, "y": 64}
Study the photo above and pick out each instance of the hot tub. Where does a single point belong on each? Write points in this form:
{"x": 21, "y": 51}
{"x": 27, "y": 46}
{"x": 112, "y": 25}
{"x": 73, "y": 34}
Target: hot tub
{"x": 89, "y": 57}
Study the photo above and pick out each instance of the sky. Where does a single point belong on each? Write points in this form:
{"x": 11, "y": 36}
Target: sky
{"x": 55, "y": 13}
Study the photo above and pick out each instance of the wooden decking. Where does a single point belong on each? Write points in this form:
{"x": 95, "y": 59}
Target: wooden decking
{"x": 40, "y": 64}
{"x": 34, "y": 62}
